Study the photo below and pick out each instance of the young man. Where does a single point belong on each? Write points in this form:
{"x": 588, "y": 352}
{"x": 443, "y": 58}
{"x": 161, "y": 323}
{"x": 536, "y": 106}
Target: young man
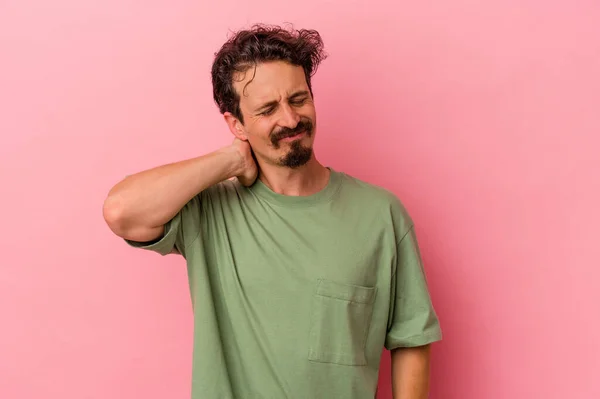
{"x": 299, "y": 274}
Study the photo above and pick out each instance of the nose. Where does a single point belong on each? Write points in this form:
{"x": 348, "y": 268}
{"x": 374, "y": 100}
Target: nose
{"x": 289, "y": 117}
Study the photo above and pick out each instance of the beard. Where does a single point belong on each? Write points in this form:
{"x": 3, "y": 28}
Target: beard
{"x": 298, "y": 154}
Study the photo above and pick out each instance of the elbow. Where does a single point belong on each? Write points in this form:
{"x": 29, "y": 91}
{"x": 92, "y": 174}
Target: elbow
{"x": 118, "y": 217}
{"x": 113, "y": 214}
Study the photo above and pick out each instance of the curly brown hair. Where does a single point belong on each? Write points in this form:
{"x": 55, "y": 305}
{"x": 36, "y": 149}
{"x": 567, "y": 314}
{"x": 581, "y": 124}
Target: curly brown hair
{"x": 262, "y": 43}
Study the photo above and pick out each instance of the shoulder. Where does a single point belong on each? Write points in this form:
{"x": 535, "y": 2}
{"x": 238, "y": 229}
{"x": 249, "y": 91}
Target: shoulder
{"x": 378, "y": 201}
{"x": 224, "y": 188}
{"x": 377, "y": 195}
{"x": 223, "y": 193}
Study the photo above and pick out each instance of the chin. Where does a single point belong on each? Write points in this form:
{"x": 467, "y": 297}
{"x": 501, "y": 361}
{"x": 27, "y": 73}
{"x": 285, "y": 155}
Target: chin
{"x": 297, "y": 156}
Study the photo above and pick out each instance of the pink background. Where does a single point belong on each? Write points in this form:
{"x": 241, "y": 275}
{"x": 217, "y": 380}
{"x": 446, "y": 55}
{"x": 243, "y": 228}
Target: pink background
{"x": 482, "y": 116}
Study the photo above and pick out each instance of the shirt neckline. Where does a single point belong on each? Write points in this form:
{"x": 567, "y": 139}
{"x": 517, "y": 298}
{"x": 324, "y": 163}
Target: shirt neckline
{"x": 324, "y": 195}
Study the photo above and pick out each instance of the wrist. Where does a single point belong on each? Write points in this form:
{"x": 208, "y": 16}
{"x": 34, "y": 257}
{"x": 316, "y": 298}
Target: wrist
{"x": 233, "y": 160}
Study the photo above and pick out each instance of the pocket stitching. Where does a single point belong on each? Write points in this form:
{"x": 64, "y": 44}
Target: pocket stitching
{"x": 369, "y": 292}
{"x": 343, "y": 299}
{"x": 342, "y": 358}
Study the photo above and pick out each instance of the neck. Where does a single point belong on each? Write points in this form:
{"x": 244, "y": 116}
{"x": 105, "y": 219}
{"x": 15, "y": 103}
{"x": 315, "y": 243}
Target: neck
{"x": 305, "y": 180}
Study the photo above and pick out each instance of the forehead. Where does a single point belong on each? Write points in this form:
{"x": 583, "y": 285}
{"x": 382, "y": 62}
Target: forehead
{"x": 270, "y": 81}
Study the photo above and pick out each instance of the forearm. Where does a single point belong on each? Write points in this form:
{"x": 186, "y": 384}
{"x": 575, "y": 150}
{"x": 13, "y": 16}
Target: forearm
{"x": 149, "y": 199}
{"x": 410, "y": 372}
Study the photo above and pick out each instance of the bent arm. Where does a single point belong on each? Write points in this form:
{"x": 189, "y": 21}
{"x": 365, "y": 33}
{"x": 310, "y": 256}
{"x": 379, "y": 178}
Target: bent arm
{"x": 138, "y": 207}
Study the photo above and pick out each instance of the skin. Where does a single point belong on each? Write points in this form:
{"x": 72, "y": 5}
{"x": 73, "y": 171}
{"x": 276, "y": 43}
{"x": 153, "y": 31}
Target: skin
{"x": 410, "y": 372}
{"x": 275, "y": 96}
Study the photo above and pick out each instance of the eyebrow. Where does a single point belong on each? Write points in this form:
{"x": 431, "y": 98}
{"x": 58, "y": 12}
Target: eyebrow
{"x": 274, "y": 103}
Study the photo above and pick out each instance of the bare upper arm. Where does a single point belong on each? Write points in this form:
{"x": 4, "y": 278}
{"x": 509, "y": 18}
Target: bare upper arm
{"x": 133, "y": 233}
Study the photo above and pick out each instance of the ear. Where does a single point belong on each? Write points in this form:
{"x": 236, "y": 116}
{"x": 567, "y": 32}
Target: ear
{"x": 235, "y": 126}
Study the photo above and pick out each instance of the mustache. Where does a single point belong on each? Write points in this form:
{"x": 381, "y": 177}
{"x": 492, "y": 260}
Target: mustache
{"x": 305, "y": 125}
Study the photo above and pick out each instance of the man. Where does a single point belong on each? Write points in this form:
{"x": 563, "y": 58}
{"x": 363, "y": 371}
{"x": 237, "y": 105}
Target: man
{"x": 299, "y": 274}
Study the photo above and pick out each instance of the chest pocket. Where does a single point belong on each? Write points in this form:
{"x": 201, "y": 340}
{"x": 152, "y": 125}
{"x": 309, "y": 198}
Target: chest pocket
{"x": 340, "y": 319}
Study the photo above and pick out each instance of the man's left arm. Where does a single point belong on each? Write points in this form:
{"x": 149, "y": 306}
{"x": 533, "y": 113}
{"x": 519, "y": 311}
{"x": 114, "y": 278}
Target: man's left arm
{"x": 413, "y": 323}
{"x": 410, "y": 372}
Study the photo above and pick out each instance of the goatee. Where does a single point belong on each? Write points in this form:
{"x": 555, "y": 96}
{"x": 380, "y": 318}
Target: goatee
{"x": 298, "y": 156}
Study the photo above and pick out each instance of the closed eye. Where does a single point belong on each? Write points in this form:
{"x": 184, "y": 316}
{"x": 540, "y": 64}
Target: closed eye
{"x": 268, "y": 111}
{"x": 299, "y": 101}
